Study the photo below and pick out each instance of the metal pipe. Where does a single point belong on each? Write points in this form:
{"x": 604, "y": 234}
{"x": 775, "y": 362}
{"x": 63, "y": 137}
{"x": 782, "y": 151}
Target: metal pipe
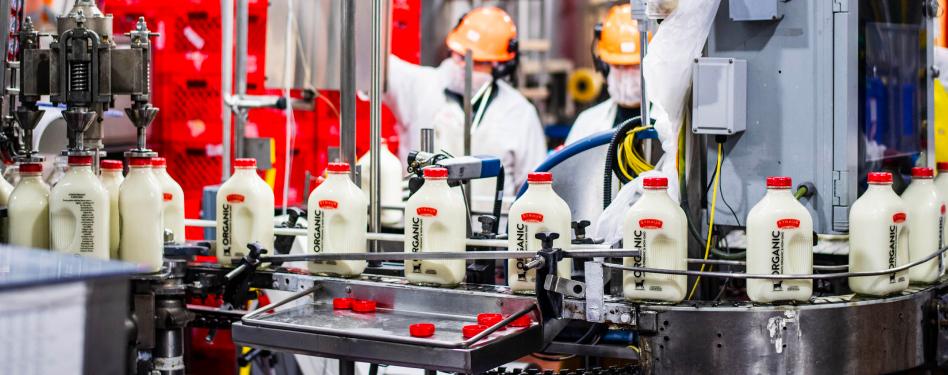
{"x": 731, "y": 275}
{"x": 442, "y": 255}
{"x": 643, "y": 106}
{"x": 427, "y": 140}
{"x": 468, "y": 109}
{"x": 243, "y": 20}
{"x": 347, "y": 89}
{"x": 227, "y": 82}
{"x": 375, "y": 123}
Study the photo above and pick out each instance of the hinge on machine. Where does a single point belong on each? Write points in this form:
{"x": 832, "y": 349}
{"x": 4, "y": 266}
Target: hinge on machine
{"x": 840, "y": 6}
{"x": 840, "y": 191}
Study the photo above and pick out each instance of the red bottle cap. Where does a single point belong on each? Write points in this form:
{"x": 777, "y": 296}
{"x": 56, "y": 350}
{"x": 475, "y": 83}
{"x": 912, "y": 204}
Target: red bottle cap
{"x": 342, "y": 303}
{"x": 655, "y": 183}
{"x": 472, "y": 330}
{"x": 435, "y": 172}
{"x": 245, "y": 163}
{"x": 880, "y": 178}
{"x": 923, "y": 173}
{"x": 421, "y": 330}
{"x": 139, "y": 162}
{"x": 779, "y": 182}
{"x": 338, "y": 168}
{"x": 540, "y": 177}
{"x": 80, "y": 160}
{"x": 363, "y": 306}
{"x": 523, "y": 321}
{"x": 942, "y": 166}
{"x": 111, "y": 165}
{"x": 488, "y": 319}
{"x": 159, "y": 162}
{"x": 31, "y": 168}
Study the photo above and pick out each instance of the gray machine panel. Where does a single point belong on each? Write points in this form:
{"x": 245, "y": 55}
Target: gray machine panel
{"x": 789, "y": 107}
{"x": 803, "y": 89}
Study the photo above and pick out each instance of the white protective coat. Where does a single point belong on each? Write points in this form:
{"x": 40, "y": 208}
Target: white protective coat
{"x": 510, "y": 128}
{"x": 597, "y": 118}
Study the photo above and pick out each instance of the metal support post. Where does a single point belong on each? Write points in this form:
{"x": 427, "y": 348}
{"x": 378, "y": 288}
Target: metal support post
{"x": 375, "y": 122}
{"x": 346, "y": 367}
{"x": 347, "y": 124}
{"x": 243, "y": 20}
{"x": 468, "y": 95}
{"x": 227, "y": 82}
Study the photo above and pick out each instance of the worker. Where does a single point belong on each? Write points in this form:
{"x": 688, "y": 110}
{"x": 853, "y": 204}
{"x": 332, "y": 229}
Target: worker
{"x": 504, "y": 123}
{"x": 618, "y": 57}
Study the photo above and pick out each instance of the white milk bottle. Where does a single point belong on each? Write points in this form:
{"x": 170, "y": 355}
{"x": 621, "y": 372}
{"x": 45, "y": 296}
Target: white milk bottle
{"x": 941, "y": 183}
{"x": 29, "y": 208}
{"x": 5, "y": 190}
{"x": 538, "y": 210}
{"x": 435, "y": 221}
{"x": 172, "y": 198}
{"x": 111, "y": 177}
{"x": 926, "y": 218}
{"x": 390, "y": 183}
{"x": 337, "y": 222}
{"x": 244, "y": 213}
{"x": 877, "y": 238}
{"x": 657, "y": 227}
{"x": 142, "y": 236}
{"x": 79, "y": 211}
{"x": 779, "y": 242}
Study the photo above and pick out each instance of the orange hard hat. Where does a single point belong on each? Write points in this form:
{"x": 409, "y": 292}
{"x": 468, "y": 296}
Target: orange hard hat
{"x": 488, "y": 32}
{"x": 619, "y": 37}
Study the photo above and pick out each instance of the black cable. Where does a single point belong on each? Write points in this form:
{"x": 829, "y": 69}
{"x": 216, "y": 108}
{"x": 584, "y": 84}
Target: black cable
{"x": 622, "y": 129}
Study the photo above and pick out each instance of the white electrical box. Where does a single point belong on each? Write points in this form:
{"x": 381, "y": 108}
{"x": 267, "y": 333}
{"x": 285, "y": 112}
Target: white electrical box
{"x": 719, "y": 96}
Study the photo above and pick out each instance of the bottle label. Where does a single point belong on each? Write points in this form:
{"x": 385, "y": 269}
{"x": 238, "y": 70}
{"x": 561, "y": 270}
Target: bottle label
{"x": 893, "y": 250}
{"x": 788, "y": 224}
{"x": 941, "y": 240}
{"x": 318, "y": 225}
{"x": 532, "y": 217}
{"x": 522, "y": 244}
{"x": 427, "y": 211}
{"x": 640, "y": 243}
{"x": 899, "y": 217}
{"x": 417, "y": 240}
{"x": 235, "y": 198}
{"x": 225, "y": 227}
{"x": 650, "y": 224}
{"x": 167, "y": 197}
{"x": 776, "y": 255}
{"x": 87, "y": 218}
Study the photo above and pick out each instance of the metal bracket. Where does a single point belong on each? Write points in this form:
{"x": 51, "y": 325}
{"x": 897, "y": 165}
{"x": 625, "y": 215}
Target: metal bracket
{"x": 595, "y": 290}
{"x": 567, "y": 287}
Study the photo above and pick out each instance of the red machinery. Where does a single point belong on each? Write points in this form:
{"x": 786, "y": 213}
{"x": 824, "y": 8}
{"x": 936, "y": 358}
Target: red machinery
{"x": 187, "y": 85}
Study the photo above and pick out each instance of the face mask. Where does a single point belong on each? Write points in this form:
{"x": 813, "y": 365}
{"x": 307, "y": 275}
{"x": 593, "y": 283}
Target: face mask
{"x": 456, "y": 79}
{"x": 625, "y": 86}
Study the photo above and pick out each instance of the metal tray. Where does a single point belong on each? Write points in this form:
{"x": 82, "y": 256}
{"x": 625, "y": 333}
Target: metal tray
{"x": 315, "y": 328}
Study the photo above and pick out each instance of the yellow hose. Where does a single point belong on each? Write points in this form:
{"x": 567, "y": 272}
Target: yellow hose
{"x": 714, "y": 203}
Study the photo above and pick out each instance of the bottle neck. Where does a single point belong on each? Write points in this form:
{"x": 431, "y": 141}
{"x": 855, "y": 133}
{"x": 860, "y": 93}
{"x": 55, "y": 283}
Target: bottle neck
{"x": 80, "y": 168}
{"x": 245, "y": 171}
{"x": 337, "y": 176}
{"x": 780, "y": 192}
{"x": 436, "y": 181}
{"x": 31, "y": 176}
{"x": 139, "y": 169}
{"x": 159, "y": 170}
{"x": 652, "y": 192}
{"x": 922, "y": 181}
{"x": 879, "y": 188}
{"x": 540, "y": 186}
{"x": 112, "y": 172}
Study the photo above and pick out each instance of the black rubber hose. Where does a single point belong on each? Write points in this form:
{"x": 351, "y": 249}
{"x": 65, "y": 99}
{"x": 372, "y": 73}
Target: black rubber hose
{"x": 617, "y": 137}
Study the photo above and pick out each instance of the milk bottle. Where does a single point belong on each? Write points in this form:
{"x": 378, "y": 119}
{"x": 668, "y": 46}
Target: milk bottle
{"x": 142, "y": 237}
{"x": 172, "y": 197}
{"x": 657, "y": 227}
{"x": 390, "y": 183}
{"x": 538, "y": 210}
{"x": 111, "y": 177}
{"x": 941, "y": 183}
{"x": 79, "y": 211}
{"x": 29, "y": 208}
{"x": 244, "y": 212}
{"x": 435, "y": 221}
{"x": 337, "y": 222}
{"x": 5, "y": 189}
{"x": 779, "y": 242}
{"x": 877, "y": 238}
{"x": 926, "y": 220}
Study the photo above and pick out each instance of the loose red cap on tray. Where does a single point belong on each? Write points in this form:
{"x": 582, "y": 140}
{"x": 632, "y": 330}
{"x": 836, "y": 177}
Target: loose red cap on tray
{"x": 421, "y": 330}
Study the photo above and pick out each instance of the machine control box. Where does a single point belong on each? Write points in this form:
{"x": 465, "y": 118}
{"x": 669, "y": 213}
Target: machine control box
{"x": 754, "y": 10}
{"x": 719, "y": 96}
